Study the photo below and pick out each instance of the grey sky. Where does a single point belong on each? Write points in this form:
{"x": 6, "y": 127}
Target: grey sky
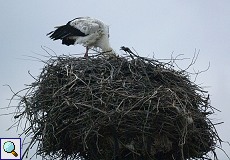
{"x": 159, "y": 27}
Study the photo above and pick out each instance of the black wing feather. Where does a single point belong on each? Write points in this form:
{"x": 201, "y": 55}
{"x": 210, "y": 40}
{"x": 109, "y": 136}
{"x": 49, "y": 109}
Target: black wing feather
{"x": 64, "y": 32}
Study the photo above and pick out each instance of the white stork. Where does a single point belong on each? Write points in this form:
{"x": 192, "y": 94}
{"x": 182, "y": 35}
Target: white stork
{"x": 89, "y": 32}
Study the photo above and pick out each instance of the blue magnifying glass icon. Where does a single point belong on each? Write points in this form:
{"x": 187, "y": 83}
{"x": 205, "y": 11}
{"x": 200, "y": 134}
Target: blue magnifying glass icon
{"x": 9, "y": 147}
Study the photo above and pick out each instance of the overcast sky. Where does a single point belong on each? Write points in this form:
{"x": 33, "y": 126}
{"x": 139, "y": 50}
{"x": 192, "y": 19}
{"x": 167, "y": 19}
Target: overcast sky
{"x": 151, "y": 27}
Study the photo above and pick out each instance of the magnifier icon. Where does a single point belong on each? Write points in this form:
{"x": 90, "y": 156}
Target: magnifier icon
{"x": 9, "y": 147}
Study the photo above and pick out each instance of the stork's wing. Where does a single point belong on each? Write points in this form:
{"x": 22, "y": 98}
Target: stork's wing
{"x": 85, "y": 25}
{"x": 65, "y": 31}
{"x": 78, "y": 27}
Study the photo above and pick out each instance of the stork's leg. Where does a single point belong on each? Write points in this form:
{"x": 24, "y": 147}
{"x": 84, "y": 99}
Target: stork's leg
{"x": 86, "y": 52}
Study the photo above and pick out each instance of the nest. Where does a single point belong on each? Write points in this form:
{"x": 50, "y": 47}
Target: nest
{"x": 124, "y": 108}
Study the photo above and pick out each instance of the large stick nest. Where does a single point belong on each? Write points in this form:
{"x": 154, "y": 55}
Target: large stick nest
{"x": 118, "y": 108}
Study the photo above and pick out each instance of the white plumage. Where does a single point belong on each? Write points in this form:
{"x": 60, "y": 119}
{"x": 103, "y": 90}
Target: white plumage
{"x": 89, "y": 32}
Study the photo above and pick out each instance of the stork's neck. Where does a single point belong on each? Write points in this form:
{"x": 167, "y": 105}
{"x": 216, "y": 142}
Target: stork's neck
{"x": 105, "y": 46}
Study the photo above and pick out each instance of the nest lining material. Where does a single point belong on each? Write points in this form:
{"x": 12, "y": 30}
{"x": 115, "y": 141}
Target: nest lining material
{"x": 118, "y": 108}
